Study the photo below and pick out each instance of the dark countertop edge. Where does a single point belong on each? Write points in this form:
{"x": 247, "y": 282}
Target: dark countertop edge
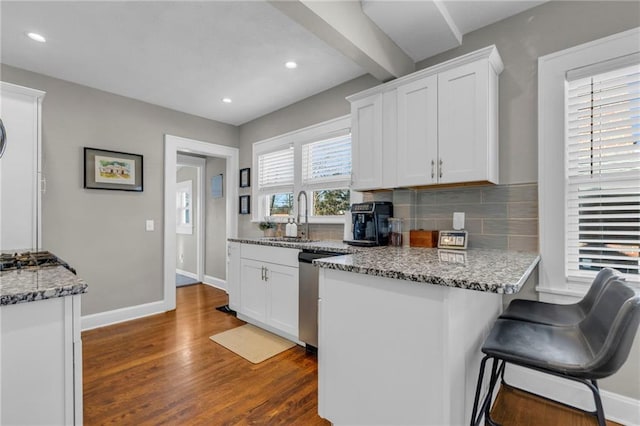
{"x": 44, "y": 294}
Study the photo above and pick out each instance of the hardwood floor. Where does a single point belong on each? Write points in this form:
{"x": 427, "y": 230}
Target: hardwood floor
{"x": 514, "y": 407}
{"x": 164, "y": 369}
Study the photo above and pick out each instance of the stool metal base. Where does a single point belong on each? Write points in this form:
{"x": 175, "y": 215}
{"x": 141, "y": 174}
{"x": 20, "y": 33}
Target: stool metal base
{"x": 497, "y": 371}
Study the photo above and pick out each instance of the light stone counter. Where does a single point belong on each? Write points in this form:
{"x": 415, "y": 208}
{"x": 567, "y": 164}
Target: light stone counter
{"x": 495, "y": 271}
{"x": 38, "y": 283}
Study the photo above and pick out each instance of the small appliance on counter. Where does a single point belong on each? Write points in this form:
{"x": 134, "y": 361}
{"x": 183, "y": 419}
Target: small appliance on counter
{"x": 370, "y": 223}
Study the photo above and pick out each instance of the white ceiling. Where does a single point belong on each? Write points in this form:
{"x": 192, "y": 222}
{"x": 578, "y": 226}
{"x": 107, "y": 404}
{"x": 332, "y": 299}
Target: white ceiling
{"x": 187, "y": 56}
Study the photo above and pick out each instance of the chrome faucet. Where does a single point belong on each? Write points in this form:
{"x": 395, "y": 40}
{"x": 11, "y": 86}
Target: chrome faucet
{"x": 306, "y": 213}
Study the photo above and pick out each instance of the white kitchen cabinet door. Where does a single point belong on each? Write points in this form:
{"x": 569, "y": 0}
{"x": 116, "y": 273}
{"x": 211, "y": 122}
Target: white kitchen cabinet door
{"x": 233, "y": 275}
{"x": 366, "y": 143}
{"x": 466, "y": 125}
{"x": 20, "y": 167}
{"x": 41, "y": 362}
{"x": 253, "y": 290}
{"x": 282, "y": 309}
{"x": 418, "y": 132}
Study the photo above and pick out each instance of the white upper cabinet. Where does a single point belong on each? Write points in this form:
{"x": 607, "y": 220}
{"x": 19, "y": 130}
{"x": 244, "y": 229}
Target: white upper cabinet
{"x": 439, "y": 126}
{"x": 366, "y": 142}
{"x": 467, "y": 141}
{"x": 417, "y": 128}
{"x": 20, "y": 110}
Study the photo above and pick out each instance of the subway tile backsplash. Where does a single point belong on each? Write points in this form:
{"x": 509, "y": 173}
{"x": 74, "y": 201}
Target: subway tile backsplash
{"x": 496, "y": 216}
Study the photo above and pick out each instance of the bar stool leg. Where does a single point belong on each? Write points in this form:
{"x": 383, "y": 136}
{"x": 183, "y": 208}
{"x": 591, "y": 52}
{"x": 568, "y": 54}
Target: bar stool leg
{"x": 478, "y": 387}
{"x": 496, "y": 372}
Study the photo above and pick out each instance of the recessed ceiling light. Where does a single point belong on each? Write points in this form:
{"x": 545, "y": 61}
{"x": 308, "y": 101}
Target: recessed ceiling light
{"x": 291, "y": 65}
{"x": 226, "y": 100}
{"x": 36, "y": 37}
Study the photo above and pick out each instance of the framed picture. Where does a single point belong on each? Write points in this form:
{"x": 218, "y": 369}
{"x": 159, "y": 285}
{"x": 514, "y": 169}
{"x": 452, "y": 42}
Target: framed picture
{"x": 105, "y": 169}
{"x": 245, "y": 204}
{"x": 245, "y": 178}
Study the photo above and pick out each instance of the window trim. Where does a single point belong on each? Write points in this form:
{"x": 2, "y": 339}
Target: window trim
{"x": 296, "y": 138}
{"x": 552, "y": 71}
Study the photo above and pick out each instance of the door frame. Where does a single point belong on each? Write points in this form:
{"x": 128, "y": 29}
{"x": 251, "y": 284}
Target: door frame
{"x": 172, "y": 146}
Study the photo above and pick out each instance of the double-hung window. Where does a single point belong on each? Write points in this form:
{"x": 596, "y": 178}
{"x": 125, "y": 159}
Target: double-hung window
{"x": 275, "y": 182}
{"x": 603, "y": 171}
{"x": 316, "y": 160}
{"x": 589, "y": 163}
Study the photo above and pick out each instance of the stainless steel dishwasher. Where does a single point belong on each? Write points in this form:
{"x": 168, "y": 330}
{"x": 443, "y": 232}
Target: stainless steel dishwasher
{"x": 308, "y": 297}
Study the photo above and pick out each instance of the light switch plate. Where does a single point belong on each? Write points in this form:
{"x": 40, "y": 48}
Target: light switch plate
{"x": 149, "y": 225}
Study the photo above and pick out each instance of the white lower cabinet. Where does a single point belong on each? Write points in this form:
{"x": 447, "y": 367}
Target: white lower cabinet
{"x": 268, "y": 287}
{"x": 233, "y": 275}
{"x": 41, "y": 363}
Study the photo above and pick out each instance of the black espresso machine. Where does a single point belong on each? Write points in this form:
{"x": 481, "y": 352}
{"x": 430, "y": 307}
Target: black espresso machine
{"x": 370, "y": 223}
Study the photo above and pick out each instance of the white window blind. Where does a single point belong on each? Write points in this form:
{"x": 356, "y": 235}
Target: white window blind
{"x": 327, "y": 163}
{"x": 275, "y": 171}
{"x": 603, "y": 173}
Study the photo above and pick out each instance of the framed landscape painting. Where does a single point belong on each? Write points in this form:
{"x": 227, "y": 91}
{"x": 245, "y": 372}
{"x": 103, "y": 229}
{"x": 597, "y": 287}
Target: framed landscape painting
{"x": 115, "y": 170}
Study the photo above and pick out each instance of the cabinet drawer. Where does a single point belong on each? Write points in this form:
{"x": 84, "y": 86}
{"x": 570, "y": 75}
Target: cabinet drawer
{"x": 277, "y": 255}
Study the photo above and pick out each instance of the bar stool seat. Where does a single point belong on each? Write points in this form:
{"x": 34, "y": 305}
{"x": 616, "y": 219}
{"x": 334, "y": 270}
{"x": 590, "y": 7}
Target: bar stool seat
{"x": 592, "y": 349}
{"x": 557, "y": 314}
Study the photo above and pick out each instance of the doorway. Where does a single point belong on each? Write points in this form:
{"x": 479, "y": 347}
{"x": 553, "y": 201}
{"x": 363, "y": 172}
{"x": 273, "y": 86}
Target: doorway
{"x": 190, "y": 219}
{"x": 173, "y": 146}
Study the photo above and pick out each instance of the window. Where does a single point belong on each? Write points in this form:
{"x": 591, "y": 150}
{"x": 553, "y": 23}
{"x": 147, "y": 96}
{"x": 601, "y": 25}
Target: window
{"x": 588, "y": 163}
{"x": 184, "y": 218}
{"x": 317, "y": 160}
{"x": 327, "y": 164}
{"x": 275, "y": 182}
{"x": 603, "y": 172}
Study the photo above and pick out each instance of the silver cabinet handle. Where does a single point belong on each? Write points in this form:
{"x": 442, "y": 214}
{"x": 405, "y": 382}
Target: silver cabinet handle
{"x": 262, "y": 278}
{"x": 266, "y": 274}
{"x": 433, "y": 164}
{"x": 440, "y": 167}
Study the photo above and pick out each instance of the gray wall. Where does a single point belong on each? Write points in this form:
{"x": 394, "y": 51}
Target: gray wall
{"x": 215, "y": 249}
{"x": 102, "y": 233}
{"x": 521, "y": 39}
{"x": 187, "y": 244}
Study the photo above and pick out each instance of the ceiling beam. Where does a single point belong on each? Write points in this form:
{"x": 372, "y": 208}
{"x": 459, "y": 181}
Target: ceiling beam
{"x": 344, "y": 26}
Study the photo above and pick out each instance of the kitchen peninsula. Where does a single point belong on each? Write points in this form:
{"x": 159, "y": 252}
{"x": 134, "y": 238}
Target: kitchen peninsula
{"x": 40, "y": 344}
{"x": 400, "y": 331}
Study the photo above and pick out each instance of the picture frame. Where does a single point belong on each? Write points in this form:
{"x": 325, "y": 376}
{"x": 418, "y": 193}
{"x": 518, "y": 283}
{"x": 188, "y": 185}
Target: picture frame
{"x": 112, "y": 170}
{"x": 245, "y": 204}
{"x": 245, "y": 178}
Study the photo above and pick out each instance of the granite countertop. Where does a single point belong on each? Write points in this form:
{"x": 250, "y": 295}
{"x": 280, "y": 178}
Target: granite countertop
{"x": 319, "y": 245}
{"x": 38, "y": 283}
{"x": 495, "y": 271}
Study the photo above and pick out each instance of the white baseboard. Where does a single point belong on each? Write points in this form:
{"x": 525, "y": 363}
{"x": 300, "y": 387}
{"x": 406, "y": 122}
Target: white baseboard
{"x": 187, "y": 274}
{"x": 215, "y": 282}
{"x": 89, "y": 322}
{"x": 617, "y": 408}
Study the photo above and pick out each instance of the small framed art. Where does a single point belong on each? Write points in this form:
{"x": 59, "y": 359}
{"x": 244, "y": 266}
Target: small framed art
{"x": 245, "y": 178}
{"x": 105, "y": 169}
{"x": 245, "y": 204}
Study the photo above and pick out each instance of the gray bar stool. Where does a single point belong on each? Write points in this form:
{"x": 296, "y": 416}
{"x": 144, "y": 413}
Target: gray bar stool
{"x": 592, "y": 349}
{"x": 556, "y": 314}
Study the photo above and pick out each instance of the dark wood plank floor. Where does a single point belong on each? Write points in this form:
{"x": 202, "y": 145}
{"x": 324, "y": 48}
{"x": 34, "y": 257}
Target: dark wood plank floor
{"x": 163, "y": 369}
